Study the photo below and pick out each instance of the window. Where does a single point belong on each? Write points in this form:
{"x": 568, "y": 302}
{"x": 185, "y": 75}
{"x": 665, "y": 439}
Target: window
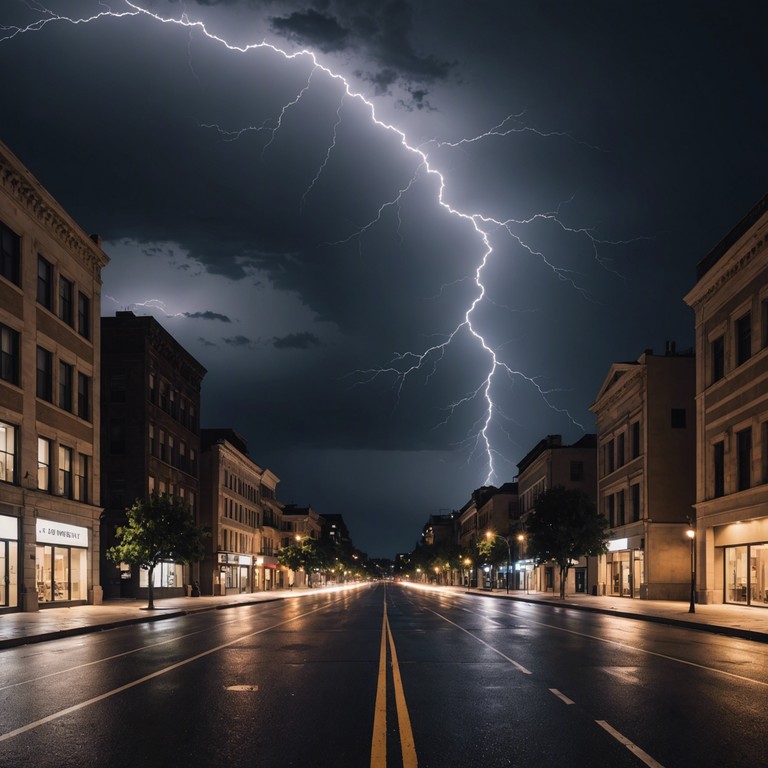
{"x": 620, "y": 449}
{"x": 9, "y": 254}
{"x": 66, "y": 301}
{"x": 44, "y": 283}
{"x": 64, "y": 485}
{"x": 44, "y": 464}
{"x": 577, "y": 471}
{"x": 66, "y": 373}
{"x": 635, "y": 430}
{"x": 743, "y": 338}
{"x": 635, "y": 491}
{"x": 117, "y": 436}
{"x": 9, "y": 355}
{"x": 163, "y": 455}
{"x": 611, "y": 504}
{"x": 764, "y": 452}
{"x": 744, "y": 459}
{"x": 609, "y": 456}
{"x": 718, "y": 469}
{"x": 84, "y": 396}
{"x": 678, "y": 418}
{"x": 620, "y": 508}
{"x": 117, "y": 386}
{"x": 152, "y": 389}
{"x": 7, "y": 453}
{"x": 83, "y": 315}
{"x": 718, "y": 359}
{"x": 81, "y": 486}
{"x": 152, "y": 447}
{"x": 44, "y": 374}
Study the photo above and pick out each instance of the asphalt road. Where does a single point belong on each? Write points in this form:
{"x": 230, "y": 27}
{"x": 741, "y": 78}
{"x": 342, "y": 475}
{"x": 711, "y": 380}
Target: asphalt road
{"x": 386, "y": 676}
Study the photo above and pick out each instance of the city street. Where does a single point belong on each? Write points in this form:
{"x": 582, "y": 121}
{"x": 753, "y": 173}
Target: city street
{"x": 386, "y": 675}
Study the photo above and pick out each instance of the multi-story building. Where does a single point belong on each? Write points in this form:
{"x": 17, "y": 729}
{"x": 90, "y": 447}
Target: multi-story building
{"x": 730, "y": 301}
{"x": 547, "y": 464}
{"x": 150, "y": 428}
{"x": 269, "y": 574}
{"x": 300, "y": 523}
{"x": 230, "y": 507}
{"x": 489, "y": 511}
{"x": 50, "y": 293}
{"x": 646, "y": 475}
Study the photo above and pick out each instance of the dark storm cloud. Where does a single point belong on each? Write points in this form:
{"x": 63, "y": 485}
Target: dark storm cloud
{"x": 303, "y": 340}
{"x": 205, "y": 342}
{"x": 238, "y": 341}
{"x": 312, "y": 28}
{"x": 207, "y": 315}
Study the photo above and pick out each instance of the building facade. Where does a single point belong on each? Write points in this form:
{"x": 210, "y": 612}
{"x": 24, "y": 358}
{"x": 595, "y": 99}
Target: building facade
{"x": 50, "y": 294}
{"x": 150, "y": 430}
{"x": 269, "y": 574}
{"x": 230, "y": 507}
{"x": 547, "y": 464}
{"x": 730, "y": 301}
{"x": 646, "y": 475}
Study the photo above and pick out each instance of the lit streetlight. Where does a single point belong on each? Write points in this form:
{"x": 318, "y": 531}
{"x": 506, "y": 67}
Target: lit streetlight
{"x": 468, "y": 565}
{"x": 691, "y": 534}
{"x": 489, "y": 535}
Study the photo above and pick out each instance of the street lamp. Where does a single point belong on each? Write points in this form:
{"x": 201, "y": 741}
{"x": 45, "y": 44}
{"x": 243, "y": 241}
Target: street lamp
{"x": 691, "y": 534}
{"x": 520, "y": 542}
{"x": 468, "y": 564}
{"x": 490, "y": 536}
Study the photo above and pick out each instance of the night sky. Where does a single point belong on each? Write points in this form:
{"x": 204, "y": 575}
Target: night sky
{"x": 310, "y": 258}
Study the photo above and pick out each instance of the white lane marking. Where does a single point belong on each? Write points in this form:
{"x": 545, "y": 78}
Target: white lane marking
{"x": 561, "y": 696}
{"x": 139, "y": 681}
{"x": 148, "y": 646}
{"x": 482, "y": 642}
{"x": 241, "y": 688}
{"x": 633, "y": 748}
{"x": 645, "y": 651}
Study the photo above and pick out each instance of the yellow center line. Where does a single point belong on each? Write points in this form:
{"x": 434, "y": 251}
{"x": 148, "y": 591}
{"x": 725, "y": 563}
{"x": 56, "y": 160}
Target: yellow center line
{"x": 379, "y": 740}
{"x": 407, "y": 744}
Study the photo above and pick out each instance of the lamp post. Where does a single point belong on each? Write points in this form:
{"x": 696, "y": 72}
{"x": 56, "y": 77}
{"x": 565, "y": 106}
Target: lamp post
{"x": 489, "y": 535}
{"x": 520, "y": 542}
{"x": 468, "y": 564}
{"x": 691, "y": 534}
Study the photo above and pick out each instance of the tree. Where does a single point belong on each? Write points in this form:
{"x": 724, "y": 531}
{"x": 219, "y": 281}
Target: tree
{"x": 564, "y": 526}
{"x": 160, "y": 528}
{"x": 306, "y": 554}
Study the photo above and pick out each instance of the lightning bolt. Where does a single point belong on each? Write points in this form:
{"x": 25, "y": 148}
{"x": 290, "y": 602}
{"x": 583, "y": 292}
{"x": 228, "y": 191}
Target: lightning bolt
{"x": 402, "y": 365}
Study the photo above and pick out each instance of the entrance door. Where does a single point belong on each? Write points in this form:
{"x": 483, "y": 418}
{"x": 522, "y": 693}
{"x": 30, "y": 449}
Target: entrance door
{"x": 581, "y": 580}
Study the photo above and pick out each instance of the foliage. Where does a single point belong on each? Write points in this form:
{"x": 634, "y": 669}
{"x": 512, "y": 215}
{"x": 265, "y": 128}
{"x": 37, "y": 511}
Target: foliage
{"x": 160, "y": 528}
{"x": 564, "y": 526}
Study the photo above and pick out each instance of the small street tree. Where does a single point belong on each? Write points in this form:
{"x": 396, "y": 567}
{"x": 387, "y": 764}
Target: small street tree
{"x": 160, "y": 528}
{"x": 564, "y": 526}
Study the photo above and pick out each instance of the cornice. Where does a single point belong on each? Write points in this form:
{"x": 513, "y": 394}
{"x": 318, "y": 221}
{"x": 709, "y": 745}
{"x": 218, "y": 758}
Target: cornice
{"x": 733, "y": 269}
{"x": 19, "y": 184}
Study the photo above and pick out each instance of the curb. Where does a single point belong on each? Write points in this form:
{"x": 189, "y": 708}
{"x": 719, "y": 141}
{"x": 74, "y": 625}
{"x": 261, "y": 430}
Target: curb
{"x": 717, "y": 629}
{"x": 87, "y": 629}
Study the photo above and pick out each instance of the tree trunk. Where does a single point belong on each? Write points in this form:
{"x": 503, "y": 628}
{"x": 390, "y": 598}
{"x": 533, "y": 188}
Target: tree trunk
{"x": 563, "y": 579}
{"x": 151, "y": 587}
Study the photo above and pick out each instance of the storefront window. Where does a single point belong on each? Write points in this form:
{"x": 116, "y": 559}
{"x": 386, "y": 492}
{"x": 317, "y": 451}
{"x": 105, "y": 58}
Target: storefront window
{"x": 736, "y": 574}
{"x": 758, "y": 581}
{"x": 166, "y": 574}
{"x": 61, "y": 570}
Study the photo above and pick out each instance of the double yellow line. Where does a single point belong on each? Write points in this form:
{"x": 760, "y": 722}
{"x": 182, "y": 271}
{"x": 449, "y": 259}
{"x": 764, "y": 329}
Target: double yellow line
{"x": 379, "y": 742}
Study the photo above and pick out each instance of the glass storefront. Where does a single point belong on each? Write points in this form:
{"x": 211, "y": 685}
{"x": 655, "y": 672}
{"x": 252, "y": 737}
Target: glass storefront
{"x": 9, "y": 563}
{"x": 746, "y": 574}
{"x": 166, "y": 574}
{"x": 61, "y": 562}
{"x": 62, "y": 573}
{"x": 626, "y": 569}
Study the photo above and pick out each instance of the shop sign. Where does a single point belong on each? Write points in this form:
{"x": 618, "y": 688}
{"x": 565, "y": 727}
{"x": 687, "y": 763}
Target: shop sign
{"x": 616, "y": 545}
{"x": 9, "y": 527}
{"x": 244, "y": 559}
{"x": 49, "y": 532}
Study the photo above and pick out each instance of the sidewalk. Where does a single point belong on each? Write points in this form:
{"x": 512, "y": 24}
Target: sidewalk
{"x": 750, "y": 623}
{"x": 52, "y": 623}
